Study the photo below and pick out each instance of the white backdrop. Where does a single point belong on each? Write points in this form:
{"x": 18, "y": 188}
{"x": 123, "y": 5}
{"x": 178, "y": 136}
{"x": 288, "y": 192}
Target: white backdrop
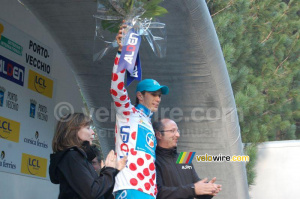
{"x": 34, "y": 78}
{"x": 27, "y": 122}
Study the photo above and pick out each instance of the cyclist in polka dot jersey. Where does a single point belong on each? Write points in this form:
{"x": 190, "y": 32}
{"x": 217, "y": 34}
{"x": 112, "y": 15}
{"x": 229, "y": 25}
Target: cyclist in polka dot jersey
{"x": 134, "y": 135}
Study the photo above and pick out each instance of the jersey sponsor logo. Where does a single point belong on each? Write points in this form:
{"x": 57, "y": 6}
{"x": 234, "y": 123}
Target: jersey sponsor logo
{"x": 186, "y": 167}
{"x": 122, "y": 195}
{"x": 125, "y": 130}
{"x": 146, "y": 140}
{"x": 150, "y": 139}
{"x": 124, "y": 147}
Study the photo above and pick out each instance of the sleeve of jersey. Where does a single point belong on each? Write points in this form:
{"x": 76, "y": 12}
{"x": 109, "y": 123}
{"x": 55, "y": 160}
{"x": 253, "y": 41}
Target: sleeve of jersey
{"x": 119, "y": 92}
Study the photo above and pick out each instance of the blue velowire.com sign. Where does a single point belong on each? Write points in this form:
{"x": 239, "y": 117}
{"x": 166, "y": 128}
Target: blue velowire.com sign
{"x": 12, "y": 71}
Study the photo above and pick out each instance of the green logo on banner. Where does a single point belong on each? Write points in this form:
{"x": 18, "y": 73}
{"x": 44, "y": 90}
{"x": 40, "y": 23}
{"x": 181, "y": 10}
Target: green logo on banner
{"x": 11, "y": 45}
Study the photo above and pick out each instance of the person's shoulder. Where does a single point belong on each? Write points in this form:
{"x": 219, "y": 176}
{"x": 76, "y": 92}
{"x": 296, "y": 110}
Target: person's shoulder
{"x": 159, "y": 159}
{"x": 74, "y": 152}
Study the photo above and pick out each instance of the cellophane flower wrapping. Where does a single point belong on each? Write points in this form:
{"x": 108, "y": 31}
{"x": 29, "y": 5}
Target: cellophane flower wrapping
{"x": 138, "y": 14}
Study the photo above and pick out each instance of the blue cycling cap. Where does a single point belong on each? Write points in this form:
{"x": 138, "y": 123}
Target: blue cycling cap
{"x": 151, "y": 85}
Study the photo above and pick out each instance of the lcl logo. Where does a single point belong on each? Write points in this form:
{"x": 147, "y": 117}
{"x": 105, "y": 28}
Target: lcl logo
{"x": 33, "y": 162}
{"x": 5, "y": 125}
{"x": 40, "y": 81}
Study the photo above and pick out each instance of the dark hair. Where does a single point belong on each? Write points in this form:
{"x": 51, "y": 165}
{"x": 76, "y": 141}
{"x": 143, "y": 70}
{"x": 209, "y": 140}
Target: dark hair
{"x": 97, "y": 152}
{"x": 66, "y": 132}
{"x": 158, "y": 126}
{"x": 137, "y": 101}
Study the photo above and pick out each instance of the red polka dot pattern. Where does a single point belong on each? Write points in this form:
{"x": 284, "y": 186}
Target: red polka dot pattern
{"x": 115, "y": 77}
{"x": 132, "y": 167}
{"x": 133, "y": 152}
{"x": 140, "y": 171}
{"x": 140, "y": 162}
{"x": 126, "y": 113}
{"x": 140, "y": 176}
{"x": 123, "y": 97}
{"x": 153, "y": 176}
{"x": 118, "y": 104}
{"x": 146, "y": 172}
{"x": 134, "y": 110}
{"x": 121, "y": 85}
{"x": 147, "y": 186}
{"x": 113, "y": 92}
{"x": 116, "y": 60}
{"x": 148, "y": 157}
{"x": 133, "y": 181}
{"x": 151, "y": 182}
{"x": 133, "y": 135}
{"x": 152, "y": 166}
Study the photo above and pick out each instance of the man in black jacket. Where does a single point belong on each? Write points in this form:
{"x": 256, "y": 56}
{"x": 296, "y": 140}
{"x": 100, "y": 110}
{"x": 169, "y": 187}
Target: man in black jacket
{"x": 174, "y": 182}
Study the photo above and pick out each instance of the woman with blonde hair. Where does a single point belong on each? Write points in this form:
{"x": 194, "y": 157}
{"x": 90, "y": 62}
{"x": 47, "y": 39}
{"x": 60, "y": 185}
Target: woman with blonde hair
{"x": 70, "y": 162}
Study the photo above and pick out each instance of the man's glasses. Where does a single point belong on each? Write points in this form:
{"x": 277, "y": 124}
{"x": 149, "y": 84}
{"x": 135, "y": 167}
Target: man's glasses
{"x": 172, "y": 130}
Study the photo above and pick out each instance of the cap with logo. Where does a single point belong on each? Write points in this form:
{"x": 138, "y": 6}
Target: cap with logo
{"x": 151, "y": 85}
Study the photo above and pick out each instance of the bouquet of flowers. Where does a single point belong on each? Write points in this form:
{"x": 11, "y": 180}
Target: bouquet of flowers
{"x": 139, "y": 16}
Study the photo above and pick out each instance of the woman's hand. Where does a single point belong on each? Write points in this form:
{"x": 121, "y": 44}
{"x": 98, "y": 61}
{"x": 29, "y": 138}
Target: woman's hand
{"x": 121, "y": 163}
{"x": 111, "y": 159}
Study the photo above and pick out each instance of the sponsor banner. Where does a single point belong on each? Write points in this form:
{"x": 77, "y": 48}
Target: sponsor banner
{"x": 2, "y": 93}
{"x": 32, "y": 108}
{"x": 9, "y": 129}
{"x": 40, "y": 84}
{"x": 26, "y": 49}
{"x": 37, "y": 110}
{"x": 11, "y": 45}
{"x": 26, "y": 103}
{"x": 35, "y": 140}
{"x": 34, "y": 165}
{"x": 12, "y": 71}
{"x": 9, "y": 99}
{"x": 6, "y": 162}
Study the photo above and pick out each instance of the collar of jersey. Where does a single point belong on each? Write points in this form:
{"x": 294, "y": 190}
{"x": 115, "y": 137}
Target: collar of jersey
{"x": 144, "y": 110}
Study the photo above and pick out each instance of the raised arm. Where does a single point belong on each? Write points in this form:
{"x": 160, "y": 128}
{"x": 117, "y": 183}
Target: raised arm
{"x": 118, "y": 91}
